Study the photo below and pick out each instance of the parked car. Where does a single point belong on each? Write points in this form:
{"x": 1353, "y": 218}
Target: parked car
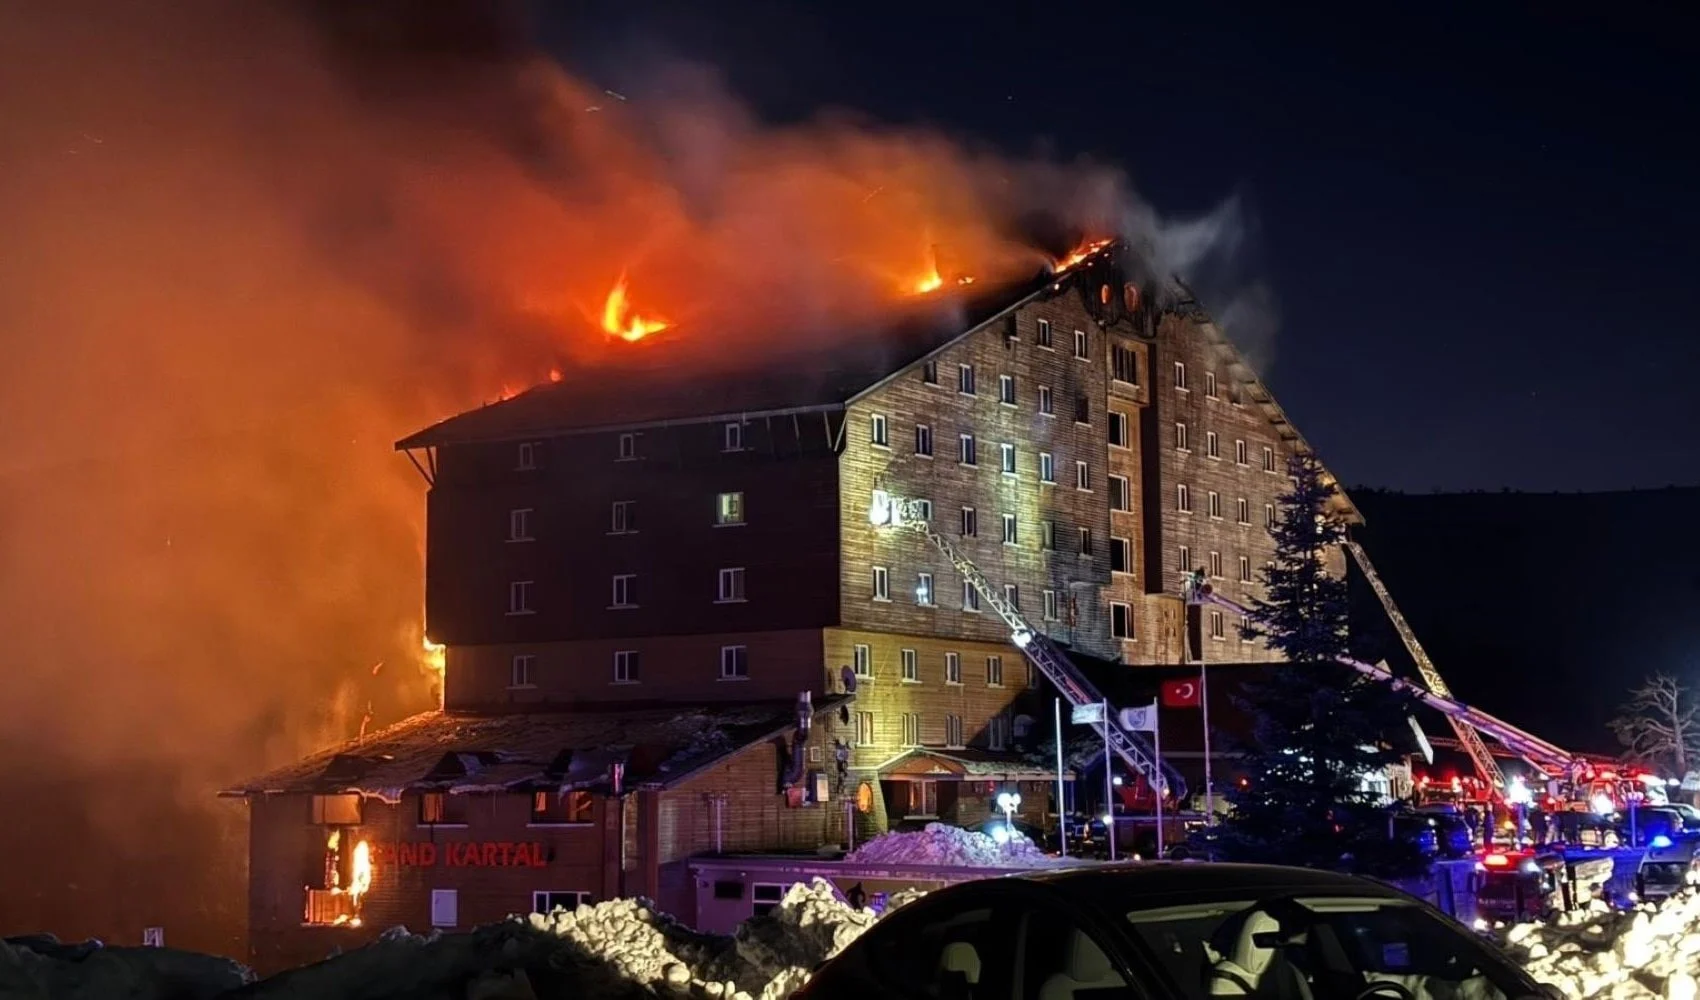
{"x": 1162, "y": 930}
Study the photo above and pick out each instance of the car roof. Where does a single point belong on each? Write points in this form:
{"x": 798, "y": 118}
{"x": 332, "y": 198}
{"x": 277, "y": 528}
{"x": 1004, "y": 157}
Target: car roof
{"x": 1181, "y": 878}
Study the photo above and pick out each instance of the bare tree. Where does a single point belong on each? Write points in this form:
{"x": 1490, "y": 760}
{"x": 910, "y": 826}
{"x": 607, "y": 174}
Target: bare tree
{"x": 1660, "y": 724}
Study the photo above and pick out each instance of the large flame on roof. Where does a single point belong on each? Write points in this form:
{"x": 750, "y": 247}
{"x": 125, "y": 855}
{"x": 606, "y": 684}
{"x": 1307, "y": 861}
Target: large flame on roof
{"x": 619, "y": 320}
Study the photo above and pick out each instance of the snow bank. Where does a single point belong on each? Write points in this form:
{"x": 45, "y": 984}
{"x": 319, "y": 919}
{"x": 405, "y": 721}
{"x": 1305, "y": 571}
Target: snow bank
{"x": 940, "y": 844}
{"x": 1651, "y": 951}
{"x": 41, "y": 967}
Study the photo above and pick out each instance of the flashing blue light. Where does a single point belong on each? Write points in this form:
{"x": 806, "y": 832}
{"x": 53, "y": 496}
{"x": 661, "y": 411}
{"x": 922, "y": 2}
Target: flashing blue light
{"x": 1659, "y": 841}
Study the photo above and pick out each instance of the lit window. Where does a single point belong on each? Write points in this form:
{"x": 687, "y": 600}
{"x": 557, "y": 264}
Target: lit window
{"x": 863, "y": 657}
{"x": 1009, "y": 530}
{"x": 519, "y": 598}
{"x": 1045, "y": 406}
{"x": 527, "y": 459}
{"x": 623, "y": 517}
{"x": 734, "y": 662}
{"x": 1006, "y": 390}
{"x": 923, "y": 440}
{"x": 1183, "y": 498}
{"x": 877, "y": 431}
{"x": 911, "y": 666}
{"x": 520, "y": 670}
{"x": 882, "y": 584}
{"x": 734, "y": 437}
{"x": 731, "y": 585}
{"x": 625, "y": 590}
{"x": 970, "y": 597}
{"x": 953, "y": 668}
{"x": 965, "y": 452}
{"x": 626, "y": 666}
{"x": 729, "y": 508}
{"x": 1047, "y": 468}
{"x": 1006, "y": 459}
{"x": 965, "y": 379}
{"x": 1121, "y": 620}
{"x": 551, "y": 808}
{"x": 519, "y": 525}
{"x": 924, "y": 589}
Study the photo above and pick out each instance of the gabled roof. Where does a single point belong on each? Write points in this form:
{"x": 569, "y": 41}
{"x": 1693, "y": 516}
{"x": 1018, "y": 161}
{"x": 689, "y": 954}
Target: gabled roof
{"x": 460, "y": 753}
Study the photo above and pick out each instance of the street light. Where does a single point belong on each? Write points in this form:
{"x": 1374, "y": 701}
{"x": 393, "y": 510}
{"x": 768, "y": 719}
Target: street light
{"x": 1009, "y": 802}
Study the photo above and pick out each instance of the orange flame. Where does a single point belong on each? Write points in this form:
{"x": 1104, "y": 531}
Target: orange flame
{"x": 1080, "y": 253}
{"x": 359, "y": 877}
{"x": 619, "y": 320}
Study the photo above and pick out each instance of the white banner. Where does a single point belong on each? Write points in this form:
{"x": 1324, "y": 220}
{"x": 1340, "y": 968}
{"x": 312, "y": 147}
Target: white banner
{"x": 1140, "y": 720}
{"x": 1086, "y": 714}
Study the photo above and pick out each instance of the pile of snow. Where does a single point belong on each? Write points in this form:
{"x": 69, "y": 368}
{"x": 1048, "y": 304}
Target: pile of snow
{"x": 1650, "y": 951}
{"x": 40, "y": 966}
{"x": 940, "y": 844}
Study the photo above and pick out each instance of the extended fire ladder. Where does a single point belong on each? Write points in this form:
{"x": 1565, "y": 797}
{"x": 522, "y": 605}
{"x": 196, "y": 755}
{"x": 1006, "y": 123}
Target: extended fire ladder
{"x": 1549, "y": 759}
{"x": 896, "y": 512}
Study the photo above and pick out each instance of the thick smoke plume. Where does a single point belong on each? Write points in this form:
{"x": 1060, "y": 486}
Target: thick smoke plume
{"x": 248, "y": 245}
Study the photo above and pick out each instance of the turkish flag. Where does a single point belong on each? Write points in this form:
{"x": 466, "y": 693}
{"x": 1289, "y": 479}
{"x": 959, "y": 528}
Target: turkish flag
{"x": 1180, "y": 694}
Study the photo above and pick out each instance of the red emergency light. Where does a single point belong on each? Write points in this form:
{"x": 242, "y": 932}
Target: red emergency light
{"x": 1496, "y": 861}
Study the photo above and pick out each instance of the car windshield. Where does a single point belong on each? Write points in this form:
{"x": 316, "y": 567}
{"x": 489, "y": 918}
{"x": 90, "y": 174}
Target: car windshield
{"x": 1301, "y": 947}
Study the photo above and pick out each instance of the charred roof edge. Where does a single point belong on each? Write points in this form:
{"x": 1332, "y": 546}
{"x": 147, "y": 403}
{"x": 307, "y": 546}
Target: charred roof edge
{"x": 425, "y": 438}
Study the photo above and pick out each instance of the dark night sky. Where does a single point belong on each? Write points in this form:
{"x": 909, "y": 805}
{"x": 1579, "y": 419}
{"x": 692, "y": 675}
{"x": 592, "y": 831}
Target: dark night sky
{"x": 1479, "y": 226}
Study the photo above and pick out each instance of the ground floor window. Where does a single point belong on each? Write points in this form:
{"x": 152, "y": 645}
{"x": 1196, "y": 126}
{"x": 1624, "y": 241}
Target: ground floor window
{"x": 767, "y": 896}
{"x": 548, "y": 901}
{"x": 923, "y": 798}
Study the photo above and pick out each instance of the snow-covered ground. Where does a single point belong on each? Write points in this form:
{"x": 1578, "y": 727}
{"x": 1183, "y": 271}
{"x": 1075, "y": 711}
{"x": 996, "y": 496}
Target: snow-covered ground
{"x": 623, "y": 949}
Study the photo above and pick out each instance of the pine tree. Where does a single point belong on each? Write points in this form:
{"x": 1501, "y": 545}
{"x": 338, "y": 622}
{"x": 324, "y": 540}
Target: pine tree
{"x": 1320, "y": 726}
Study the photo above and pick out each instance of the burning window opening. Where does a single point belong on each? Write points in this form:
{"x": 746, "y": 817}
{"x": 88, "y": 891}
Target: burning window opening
{"x": 1079, "y": 255}
{"x": 618, "y": 319}
{"x": 435, "y": 663}
{"x": 337, "y": 904}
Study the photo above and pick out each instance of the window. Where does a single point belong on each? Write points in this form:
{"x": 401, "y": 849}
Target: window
{"x": 1210, "y": 384}
{"x": 1241, "y": 452}
{"x": 628, "y": 447}
{"x": 1180, "y": 376}
{"x": 734, "y": 662}
{"x": 1045, "y": 406}
{"x": 970, "y": 522}
{"x": 1269, "y": 515}
{"x": 1268, "y": 459}
{"x": 881, "y": 584}
{"x": 912, "y": 738}
{"x": 1118, "y": 430}
{"x": 994, "y": 671}
{"x": 970, "y": 597}
{"x": 1245, "y": 630}
{"x": 1043, "y": 339}
{"x": 1183, "y": 559}
{"x": 1212, "y": 445}
{"x": 924, "y": 440}
{"x": 549, "y": 902}
{"x": 1009, "y": 530}
{"x": 1215, "y": 504}
{"x": 550, "y": 808}
{"x": 930, "y": 372}
{"x": 519, "y": 525}
{"x": 924, "y": 589}
{"x": 1047, "y": 468}
{"x": 336, "y": 810}
{"x": 911, "y": 666}
{"x": 1121, "y": 620}
{"x": 1012, "y": 595}
{"x": 1121, "y": 496}
{"x": 1121, "y": 555}
{"x": 527, "y": 459}
{"x": 953, "y": 730}
{"x": 1216, "y": 565}
{"x": 1183, "y": 498}
{"x": 1006, "y": 390}
{"x": 1082, "y": 476}
{"x": 519, "y": 598}
{"x": 965, "y": 450}
{"x": 520, "y": 670}
{"x": 1048, "y": 535}
{"x": 442, "y": 809}
{"x": 625, "y": 666}
{"x": 1006, "y": 459}
{"x": 1080, "y": 344}
{"x": 729, "y": 508}
{"x": 1217, "y": 629}
{"x": 734, "y": 437}
{"x": 1050, "y": 597}
{"x": 1124, "y": 364}
{"x": 877, "y": 431}
{"x": 1245, "y": 569}
{"x": 1181, "y": 439}
{"x": 953, "y": 668}
{"x": 445, "y": 907}
{"x": 1082, "y": 410}
{"x": 622, "y": 518}
{"x": 625, "y": 590}
{"x": 1085, "y": 541}
{"x": 997, "y": 732}
{"x": 965, "y": 379}
{"x": 863, "y": 657}
{"x": 1242, "y": 511}
{"x": 924, "y": 508}
{"x": 731, "y": 585}
{"x": 864, "y": 728}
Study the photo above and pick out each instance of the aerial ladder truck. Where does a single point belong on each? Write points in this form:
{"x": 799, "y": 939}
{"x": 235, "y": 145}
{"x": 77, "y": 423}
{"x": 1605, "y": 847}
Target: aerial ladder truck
{"x": 889, "y": 511}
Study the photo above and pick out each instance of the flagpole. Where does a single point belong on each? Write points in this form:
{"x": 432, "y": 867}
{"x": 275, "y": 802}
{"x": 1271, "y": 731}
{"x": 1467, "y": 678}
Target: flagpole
{"x": 1109, "y": 784}
{"x": 1157, "y": 749}
{"x": 1062, "y": 804}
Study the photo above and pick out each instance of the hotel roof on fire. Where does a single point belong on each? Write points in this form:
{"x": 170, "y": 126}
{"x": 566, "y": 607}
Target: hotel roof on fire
{"x": 461, "y": 753}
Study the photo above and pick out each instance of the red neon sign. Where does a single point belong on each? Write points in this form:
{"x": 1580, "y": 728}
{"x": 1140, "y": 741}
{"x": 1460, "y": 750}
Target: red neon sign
{"x": 455, "y": 854}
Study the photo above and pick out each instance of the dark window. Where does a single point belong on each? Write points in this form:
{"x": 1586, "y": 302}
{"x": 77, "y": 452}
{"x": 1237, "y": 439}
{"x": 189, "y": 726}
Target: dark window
{"x": 1082, "y": 410}
{"x": 930, "y": 372}
{"x": 561, "y": 807}
{"x": 442, "y": 808}
{"x": 1124, "y": 365}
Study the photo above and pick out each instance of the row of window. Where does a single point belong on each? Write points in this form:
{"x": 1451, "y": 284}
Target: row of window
{"x": 997, "y": 731}
{"x": 570, "y": 808}
{"x": 910, "y": 661}
{"x": 729, "y": 589}
{"x": 627, "y": 667}
{"x": 1213, "y": 447}
{"x": 968, "y": 453}
{"x": 623, "y": 517}
{"x": 1214, "y": 565}
{"x": 1213, "y": 506}
{"x": 1210, "y": 391}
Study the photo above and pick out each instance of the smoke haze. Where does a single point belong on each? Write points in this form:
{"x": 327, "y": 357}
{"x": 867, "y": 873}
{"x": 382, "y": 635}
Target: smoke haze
{"x": 246, "y": 246}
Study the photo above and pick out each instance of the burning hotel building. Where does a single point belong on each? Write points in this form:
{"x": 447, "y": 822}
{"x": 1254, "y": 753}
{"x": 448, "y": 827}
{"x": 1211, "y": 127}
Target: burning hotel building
{"x": 671, "y": 629}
